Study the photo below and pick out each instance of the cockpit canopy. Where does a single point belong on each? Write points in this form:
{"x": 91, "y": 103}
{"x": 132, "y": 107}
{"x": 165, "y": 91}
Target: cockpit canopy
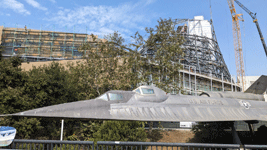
{"x": 144, "y": 90}
{"x": 150, "y": 94}
{"x": 142, "y": 93}
{"x": 116, "y": 95}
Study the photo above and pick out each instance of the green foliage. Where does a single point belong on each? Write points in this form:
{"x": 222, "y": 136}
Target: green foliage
{"x": 212, "y": 132}
{"x": 165, "y": 41}
{"x": 109, "y": 64}
{"x": 1, "y": 50}
{"x": 121, "y": 131}
{"x": 155, "y": 135}
{"x": 85, "y": 131}
{"x": 110, "y": 131}
{"x": 10, "y": 73}
{"x": 43, "y": 86}
{"x": 50, "y": 85}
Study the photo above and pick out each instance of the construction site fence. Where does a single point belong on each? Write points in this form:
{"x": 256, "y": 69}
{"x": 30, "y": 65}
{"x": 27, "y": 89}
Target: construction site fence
{"x": 119, "y": 145}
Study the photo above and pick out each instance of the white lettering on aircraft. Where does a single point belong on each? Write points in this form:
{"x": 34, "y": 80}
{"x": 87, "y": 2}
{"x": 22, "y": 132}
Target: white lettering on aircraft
{"x": 207, "y": 102}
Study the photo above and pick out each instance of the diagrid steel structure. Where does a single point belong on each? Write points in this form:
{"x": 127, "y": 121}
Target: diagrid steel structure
{"x": 201, "y": 49}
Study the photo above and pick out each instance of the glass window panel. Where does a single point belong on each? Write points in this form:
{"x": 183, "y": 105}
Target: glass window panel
{"x": 138, "y": 91}
{"x": 114, "y": 96}
{"x": 103, "y": 97}
{"x": 147, "y": 91}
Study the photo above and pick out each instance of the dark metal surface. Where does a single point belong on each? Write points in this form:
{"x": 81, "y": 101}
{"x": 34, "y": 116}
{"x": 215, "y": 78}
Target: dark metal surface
{"x": 51, "y": 144}
{"x": 259, "y": 86}
{"x": 258, "y": 147}
{"x": 157, "y": 107}
{"x": 171, "y": 145}
{"x": 113, "y": 145}
{"x": 118, "y": 145}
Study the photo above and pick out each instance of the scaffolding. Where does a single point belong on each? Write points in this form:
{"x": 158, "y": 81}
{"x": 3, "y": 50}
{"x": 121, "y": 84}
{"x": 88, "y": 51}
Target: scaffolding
{"x": 42, "y": 45}
{"x": 200, "y": 51}
{"x": 202, "y": 56}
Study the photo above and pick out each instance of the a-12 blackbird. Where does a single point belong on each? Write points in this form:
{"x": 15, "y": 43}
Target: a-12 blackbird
{"x": 149, "y": 103}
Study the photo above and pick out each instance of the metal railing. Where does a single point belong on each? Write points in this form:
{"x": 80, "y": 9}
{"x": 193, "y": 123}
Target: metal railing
{"x": 258, "y": 147}
{"x": 52, "y": 145}
{"x": 116, "y": 145}
{"x": 119, "y": 145}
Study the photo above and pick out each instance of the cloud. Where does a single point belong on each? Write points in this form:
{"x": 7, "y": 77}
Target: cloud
{"x": 15, "y": 6}
{"x": 148, "y": 2}
{"x": 53, "y": 1}
{"x": 104, "y": 19}
{"x": 4, "y": 14}
{"x": 35, "y": 4}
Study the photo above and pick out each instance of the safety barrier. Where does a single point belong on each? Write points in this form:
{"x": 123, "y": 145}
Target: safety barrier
{"x": 52, "y": 145}
{"x": 116, "y": 145}
{"x": 119, "y": 145}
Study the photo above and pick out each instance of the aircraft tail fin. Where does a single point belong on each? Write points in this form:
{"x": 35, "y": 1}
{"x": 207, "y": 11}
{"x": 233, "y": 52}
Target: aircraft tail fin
{"x": 259, "y": 86}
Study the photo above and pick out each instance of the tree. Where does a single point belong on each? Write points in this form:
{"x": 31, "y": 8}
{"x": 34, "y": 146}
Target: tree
{"x": 13, "y": 98}
{"x": 212, "y": 132}
{"x": 39, "y": 87}
{"x": 50, "y": 85}
{"x": 109, "y": 65}
{"x": 166, "y": 43}
{"x": 1, "y": 50}
{"x": 121, "y": 131}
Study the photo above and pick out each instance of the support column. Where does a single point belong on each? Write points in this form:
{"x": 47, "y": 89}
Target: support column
{"x": 195, "y": 81}
{"x": 235, "y": 87}
{"x": 210, "y": 81}
{"x": 183, "y": 78}
{"x": 189, "y": 74}
{"x": 231, "y": 84}
{"x": 62, "y": 126}
{"x": 222, "y": 83}
{"x": 236, "y": 139}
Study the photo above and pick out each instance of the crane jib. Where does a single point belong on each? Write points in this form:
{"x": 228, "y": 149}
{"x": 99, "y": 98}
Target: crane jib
{"x": 255, "y": 20}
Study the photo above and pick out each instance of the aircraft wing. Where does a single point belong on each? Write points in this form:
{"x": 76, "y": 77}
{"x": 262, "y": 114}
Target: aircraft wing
{"x": 178, "y": 108}
{"x": 259, "y": 86}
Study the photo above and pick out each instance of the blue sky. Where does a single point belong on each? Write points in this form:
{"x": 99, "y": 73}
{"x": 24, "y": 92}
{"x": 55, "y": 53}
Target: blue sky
{"x": 128, "y": 16}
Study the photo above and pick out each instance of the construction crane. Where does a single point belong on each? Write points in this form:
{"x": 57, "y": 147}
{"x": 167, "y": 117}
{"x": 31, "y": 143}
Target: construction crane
{"x": 255, "y": 20}
{"x": 237, "y": 43}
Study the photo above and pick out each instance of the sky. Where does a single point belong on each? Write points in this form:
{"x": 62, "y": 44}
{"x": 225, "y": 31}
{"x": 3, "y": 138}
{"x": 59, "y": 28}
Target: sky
{"x": 102, "y": 17}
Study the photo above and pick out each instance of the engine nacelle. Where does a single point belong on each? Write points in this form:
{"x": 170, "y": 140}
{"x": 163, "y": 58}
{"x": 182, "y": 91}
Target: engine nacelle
{"x": 236, "y": 95}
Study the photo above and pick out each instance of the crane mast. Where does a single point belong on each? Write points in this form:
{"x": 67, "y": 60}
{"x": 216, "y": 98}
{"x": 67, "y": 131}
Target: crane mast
{"x": 255, "y": 20}
{"x": 237, "y": 43}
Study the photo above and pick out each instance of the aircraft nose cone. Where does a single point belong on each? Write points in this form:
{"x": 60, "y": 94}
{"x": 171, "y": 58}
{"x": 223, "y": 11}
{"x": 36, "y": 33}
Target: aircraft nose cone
{"x": 94, "y": 108}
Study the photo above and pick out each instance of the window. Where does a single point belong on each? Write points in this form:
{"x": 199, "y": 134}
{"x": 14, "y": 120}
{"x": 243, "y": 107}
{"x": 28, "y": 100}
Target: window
{"x": 138, "y": 91}
{"x": 103, "y": 97}
{"x": 114, "y": 96}
{"x": 147, "y": 91}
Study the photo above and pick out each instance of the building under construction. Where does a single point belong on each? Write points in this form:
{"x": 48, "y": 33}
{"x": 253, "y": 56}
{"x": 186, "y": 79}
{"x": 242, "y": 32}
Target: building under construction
{"x": 37, "y": 45}
{"x": 204, "y": 68}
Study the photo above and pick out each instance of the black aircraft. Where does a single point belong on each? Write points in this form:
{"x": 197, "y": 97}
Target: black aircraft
{"x": 149, "y": 103}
